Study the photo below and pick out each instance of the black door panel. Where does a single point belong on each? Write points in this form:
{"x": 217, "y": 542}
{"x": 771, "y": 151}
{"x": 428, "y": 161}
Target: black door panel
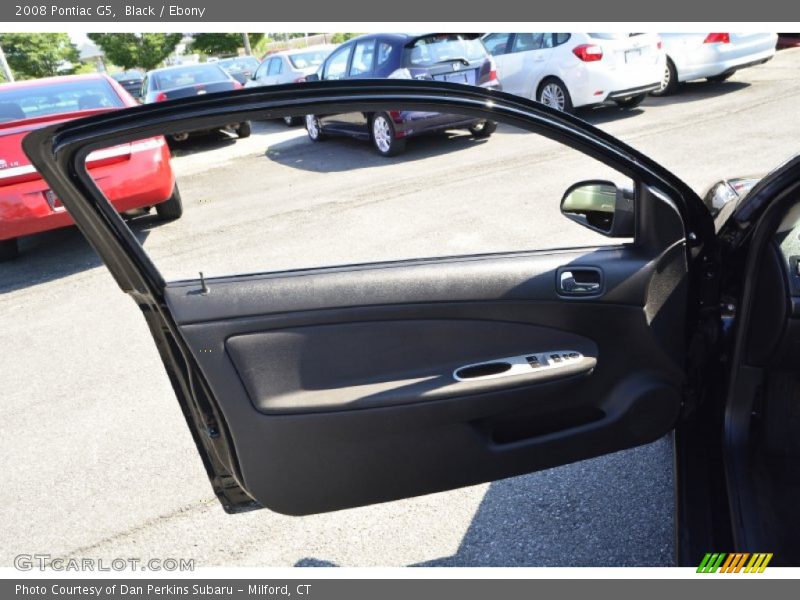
{"x": 358, "y": 402}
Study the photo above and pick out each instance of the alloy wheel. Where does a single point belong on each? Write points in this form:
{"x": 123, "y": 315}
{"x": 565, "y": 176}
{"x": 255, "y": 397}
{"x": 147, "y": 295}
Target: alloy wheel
{"x": 382, "y": 133}
{"x": 553, "y": 96}
{"x": 312, "y": 125}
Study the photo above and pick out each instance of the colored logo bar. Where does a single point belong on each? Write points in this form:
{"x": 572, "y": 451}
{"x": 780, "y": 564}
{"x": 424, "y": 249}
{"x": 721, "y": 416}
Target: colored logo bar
{"x": 736, "y": 562}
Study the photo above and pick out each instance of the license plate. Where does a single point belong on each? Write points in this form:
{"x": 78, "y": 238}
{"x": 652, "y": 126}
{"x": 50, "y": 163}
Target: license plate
{"x": 53, "y": 201}
{"x": 456, "y": 78}
{"x": 632, "y": 56}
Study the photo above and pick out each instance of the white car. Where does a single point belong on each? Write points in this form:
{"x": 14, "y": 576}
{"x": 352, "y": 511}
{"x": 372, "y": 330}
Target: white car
{"x": 567, "y": 70}
{"x": 712, "y": 56}
{"x": 290, "y": 66}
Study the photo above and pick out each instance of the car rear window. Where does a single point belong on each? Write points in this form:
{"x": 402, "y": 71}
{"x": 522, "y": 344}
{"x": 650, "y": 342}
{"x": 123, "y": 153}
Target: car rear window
{"x": 185, "y": 76}
{"x": 305, "y": 60}
{"x": 241, "y": 64}
{"x": 444, "y": 47}
{"x": 56, "y": 98}
{"x": 124, "y": 75}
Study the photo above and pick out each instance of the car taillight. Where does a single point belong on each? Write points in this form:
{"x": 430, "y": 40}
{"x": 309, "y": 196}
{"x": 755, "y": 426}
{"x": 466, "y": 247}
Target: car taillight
{"x": 718, "y": 38}
{"x": 237, "y": 85}
{"x": 588, "y": 52}
{"x": 659, "y": 44}
{"x": 161, "y": 97}
{"x": 492, "y": 70}
{"x": 300, "y": 79}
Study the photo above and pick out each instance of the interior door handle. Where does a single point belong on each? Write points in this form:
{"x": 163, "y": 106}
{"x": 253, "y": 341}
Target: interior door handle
{"x": 583, "y": 281}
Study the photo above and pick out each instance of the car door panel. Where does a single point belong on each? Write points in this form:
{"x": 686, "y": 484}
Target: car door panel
{"x": 346, "y": 388}
{"x": 320, "y": 389}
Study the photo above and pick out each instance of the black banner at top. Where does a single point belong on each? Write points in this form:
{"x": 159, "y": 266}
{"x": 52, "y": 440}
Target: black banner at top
{"x": 454, "y": 11}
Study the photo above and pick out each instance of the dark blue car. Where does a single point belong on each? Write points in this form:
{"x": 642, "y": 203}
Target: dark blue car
{"x": 454, "y": 57}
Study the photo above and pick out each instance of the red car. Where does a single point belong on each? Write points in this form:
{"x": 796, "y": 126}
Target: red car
{"x": 132, "y": 176}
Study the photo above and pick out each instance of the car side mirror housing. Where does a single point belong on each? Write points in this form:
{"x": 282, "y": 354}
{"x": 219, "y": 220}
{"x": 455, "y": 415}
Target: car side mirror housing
{"x": 600, "y": 206}
{"x": 312, "y": 77}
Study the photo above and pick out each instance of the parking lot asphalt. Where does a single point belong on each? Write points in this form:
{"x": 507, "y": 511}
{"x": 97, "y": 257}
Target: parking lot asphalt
{"x": 98, "y": 459}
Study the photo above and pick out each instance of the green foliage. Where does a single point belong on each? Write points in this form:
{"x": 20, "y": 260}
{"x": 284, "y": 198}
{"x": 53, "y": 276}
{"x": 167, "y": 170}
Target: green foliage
{"x": 339, "y": 38}
{"x": 260, "y": 48}
{"x": 131, "y": 50}
{"x": 222, "y": 43}
{"x": 34, "y": 55}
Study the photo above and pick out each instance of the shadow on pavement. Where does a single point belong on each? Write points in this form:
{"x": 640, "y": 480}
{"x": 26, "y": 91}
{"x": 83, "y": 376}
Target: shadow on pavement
{"x": 340, "y": 154}
{"x": 695, "y": 91}
{"x": 614, "y": 510}
{"x": 55, "y": 254}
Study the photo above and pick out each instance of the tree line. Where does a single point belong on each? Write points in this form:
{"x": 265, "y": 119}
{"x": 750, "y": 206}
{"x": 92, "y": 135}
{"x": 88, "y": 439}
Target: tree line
{"x": 35, "y": 55}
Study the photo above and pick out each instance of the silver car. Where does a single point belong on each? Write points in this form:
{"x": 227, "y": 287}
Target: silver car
{"x": 290, "y": 66}
{"x": 711, "y": 56}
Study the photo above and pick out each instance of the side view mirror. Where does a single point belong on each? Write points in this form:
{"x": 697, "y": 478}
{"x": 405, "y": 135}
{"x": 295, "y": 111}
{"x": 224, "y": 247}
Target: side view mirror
{"x": 312, "y": 77}
{"x": 600, "y": 206}
{"x": 727, "y": 191}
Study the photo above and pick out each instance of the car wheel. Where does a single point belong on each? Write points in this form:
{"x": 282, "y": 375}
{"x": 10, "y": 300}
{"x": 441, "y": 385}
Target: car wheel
{"x": 172, "y": 208}
{"x": 383, "y": 136}
{"x": 553, "y": 93}
{"x": 244, "y": 129}
{"x": 179, "y": 137}
{"x": 314, "y": 128}
{"x": 720, "y": 78}
{"x": 631, "y": 102}
{"x": 669, "y": 83}
{"x": 483, "y": 129}
{"x": 291, "y": 121}
{"x": 9, "y": 249}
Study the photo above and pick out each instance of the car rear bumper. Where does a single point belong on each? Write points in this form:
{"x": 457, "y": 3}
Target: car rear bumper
{"x": 146, "y": 179}
{"x": 595, "y": 83}
{"x": 642, "y": 89}
{"x": 717, "y": 59}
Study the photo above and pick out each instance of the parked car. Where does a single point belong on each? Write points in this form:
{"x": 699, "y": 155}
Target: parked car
{"x": 131, "y": 80}
{"x": 711, "y": 56}
{"x": 191, "y": 80}
{"x": 290, "y": 66}
{"x": 133, "y": 176}
{"x": 453, "y": 57}
{"x": 568, "y": 70}
{"x": 788, "y": 40}
{"x": 322, "y": 389}
{"x": 241, "y": 68}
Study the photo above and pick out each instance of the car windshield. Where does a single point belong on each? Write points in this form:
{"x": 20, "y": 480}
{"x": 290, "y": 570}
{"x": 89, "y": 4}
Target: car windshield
{"x": 307, "y": 60}
{"x": 434, "y": 49}
{"x": 56, "y": 98}
{"x": 239, "y": 64}
{"x": 186, "y": 76}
